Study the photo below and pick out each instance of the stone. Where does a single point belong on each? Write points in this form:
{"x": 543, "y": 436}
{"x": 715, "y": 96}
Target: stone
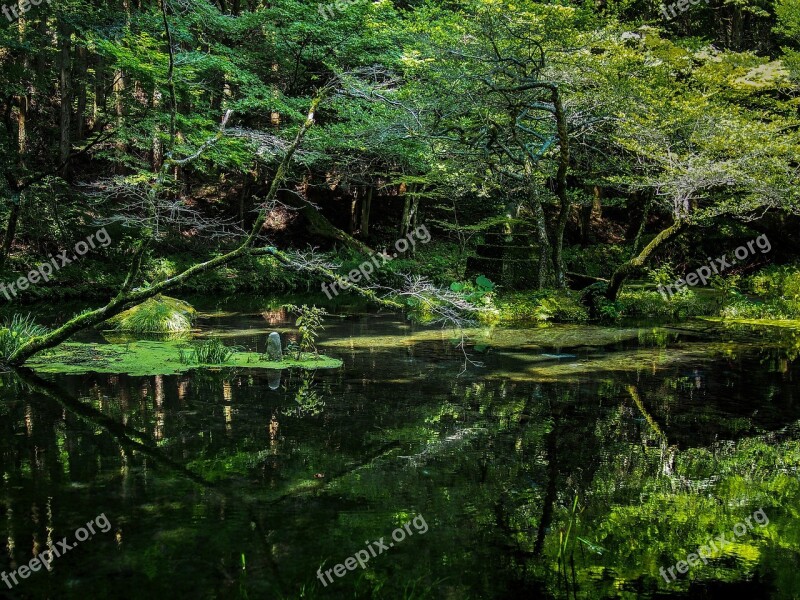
{"x": 274, "y": 348}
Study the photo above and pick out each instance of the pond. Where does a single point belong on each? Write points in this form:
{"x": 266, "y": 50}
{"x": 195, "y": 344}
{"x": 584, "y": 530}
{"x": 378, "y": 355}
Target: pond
{"x": 552, "y": 462}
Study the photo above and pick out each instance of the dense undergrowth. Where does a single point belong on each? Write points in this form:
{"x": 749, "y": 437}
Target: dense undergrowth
{"x": 773, "y": 292}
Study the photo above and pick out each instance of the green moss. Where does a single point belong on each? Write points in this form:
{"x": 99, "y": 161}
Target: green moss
{"x": 160, "y": 314}
{"x": 142, "y": 358}
{"x": 785, "y": 323}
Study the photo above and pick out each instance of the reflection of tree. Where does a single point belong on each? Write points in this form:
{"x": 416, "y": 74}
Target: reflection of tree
{"x": 499, "y": 466}
{"x": 132, "y": 440}
{"x": 307, "y": 398}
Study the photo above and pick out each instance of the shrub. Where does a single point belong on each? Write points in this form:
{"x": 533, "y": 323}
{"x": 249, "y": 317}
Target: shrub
{"x": 547, "y": 305}
{"x": 649, "y": 303}
{"x": 309, "y": 321}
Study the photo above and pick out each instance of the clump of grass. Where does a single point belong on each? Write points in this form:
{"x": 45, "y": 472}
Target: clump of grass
{"x": 17, "y": 332}
{"x": 209, "y": 352}
{"x": 160, "y": 314}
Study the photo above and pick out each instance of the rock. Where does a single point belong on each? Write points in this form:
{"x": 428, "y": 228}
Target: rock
{"x": 274, "y": 348}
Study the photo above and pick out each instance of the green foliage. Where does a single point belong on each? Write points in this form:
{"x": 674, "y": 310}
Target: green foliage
{"x": 481, "y": 293}
{"x": 310, "y": 324}
{"x": 308, "y": 399}
{"x": 559, "y": 306}
{"x": 16, "y": 333}
{"x": 777, "y": 282}
{"x": 600, "y": 260}
{"x": 635, "y": 302}
{"x": 777, "y": 291}
{"x": 663, "y": 275}
{"x": 481, "y": 288}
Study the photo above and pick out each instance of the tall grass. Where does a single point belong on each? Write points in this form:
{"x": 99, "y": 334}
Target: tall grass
{"x": 14, "y": 334}
{"x": 209, "y": 352}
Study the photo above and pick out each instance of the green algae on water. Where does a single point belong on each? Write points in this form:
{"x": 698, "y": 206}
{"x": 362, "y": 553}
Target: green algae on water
{"x": 147, "y": 357}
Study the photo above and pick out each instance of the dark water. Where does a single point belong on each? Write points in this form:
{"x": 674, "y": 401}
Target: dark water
{"x": 571, "y": 469}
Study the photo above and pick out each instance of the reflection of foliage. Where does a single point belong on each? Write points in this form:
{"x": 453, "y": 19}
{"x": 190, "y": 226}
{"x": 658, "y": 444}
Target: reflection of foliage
{"x": 308, "y": 399}
{"x": 225, "y": 465}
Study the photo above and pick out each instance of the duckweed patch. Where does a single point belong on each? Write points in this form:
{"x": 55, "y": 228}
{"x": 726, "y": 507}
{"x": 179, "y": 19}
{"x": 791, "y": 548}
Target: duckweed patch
{"x": 147, "y": 357}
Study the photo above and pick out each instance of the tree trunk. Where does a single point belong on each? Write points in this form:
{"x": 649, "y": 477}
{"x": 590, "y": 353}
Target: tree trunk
{"x": 80, "y": 117}
{"x": 403, "y": 229}
{"x": 119, "y": 108}
{"x": 65, "y": 111}
{"x": 627, "y": 269}
{"x": 366, "y": 207}
{"x": 561, "y": 188}
{"x": 22, "y": 151}
{"x": 643, "y": 224}
{"x": 158, "y": 148}
{"x": 99, "y": 104}
{"x": 354, "y": 214}
{"x": 11, "y": 228}
{"x": 543, "y": 242}
{"x": 413, "y": 222}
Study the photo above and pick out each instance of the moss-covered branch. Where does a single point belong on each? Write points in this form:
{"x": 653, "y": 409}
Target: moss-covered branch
{"x": 630, "y": 267}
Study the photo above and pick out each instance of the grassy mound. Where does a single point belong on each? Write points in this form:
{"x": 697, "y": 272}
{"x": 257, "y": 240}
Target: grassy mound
{"x": 160, "y": 314}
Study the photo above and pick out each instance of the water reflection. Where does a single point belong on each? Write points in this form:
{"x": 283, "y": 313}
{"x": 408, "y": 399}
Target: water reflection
{"x": 235, "y": 484}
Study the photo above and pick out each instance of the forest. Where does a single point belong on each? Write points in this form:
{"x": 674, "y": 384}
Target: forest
{"x": 518, "y": 281}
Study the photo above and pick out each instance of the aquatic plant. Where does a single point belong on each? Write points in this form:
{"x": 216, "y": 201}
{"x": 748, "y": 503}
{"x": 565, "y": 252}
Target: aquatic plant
{"x": 212, "y": 352}
{"x": 17, "y": 332}
{"x": 309, "y": 323}
{"x": 160, "y": 314}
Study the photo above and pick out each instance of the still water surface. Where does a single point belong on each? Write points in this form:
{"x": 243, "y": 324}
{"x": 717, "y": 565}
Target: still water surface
{"x": 574, "y": 462}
